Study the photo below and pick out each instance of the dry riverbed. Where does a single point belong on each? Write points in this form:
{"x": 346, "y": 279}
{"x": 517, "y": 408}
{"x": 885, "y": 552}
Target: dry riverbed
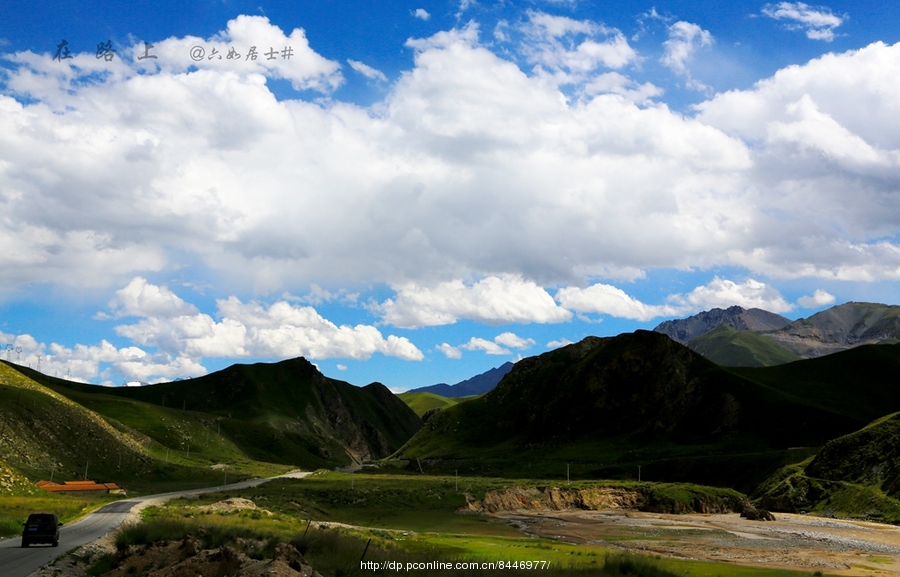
{"x": 799, "y": 542}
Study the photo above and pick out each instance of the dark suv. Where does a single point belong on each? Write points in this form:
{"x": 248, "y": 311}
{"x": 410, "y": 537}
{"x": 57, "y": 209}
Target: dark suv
{"x": 41, "y": 528}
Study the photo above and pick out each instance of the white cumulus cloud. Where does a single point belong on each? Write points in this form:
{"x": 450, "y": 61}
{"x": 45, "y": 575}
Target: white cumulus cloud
{"x": 572, "y": 48}
{"x": 685, "y": 38}
{"x": 471, "y": 167}
{"x": 281, "y": 330}
{"x": 513, "y": 341}
{"x": 608, "y": 300}
{"x": 421, "y": 14}
{"x": 491, "y": 300}
{"x": 724, "y": 293}
{"x": 449, "y": 351}
{"x": 140, "y": 298}
{"x": 819, "y": 298}
{"x": 498, "y": 346}
{"x": 819, "y": 22}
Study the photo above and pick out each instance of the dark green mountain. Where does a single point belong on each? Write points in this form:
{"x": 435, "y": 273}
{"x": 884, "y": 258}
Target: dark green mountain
{"x": 730, "y": 347}
{"x": 857, "y": 475}
{"x": 614, "y": 403}
{"x": 286, "y": 412}
{"x": 860, "y": 383}
{"x": 870, "y": 456}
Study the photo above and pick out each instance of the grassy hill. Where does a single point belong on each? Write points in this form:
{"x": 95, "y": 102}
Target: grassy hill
{"x": 44, "y": 434}
{"x": 609, "y": 405}
{"x": 421, "y": 403}
{"x": 856, "y": 475}
{"x": 285, "y": 412}
{"x": 729, "y": 347}
{"x": 860, "y": 383}
{"x": 41, "y": 431}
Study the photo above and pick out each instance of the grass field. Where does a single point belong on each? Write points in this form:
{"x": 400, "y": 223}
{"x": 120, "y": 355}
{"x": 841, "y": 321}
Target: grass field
{"x": 414, "y": 517}
{"x": 14, "y": 510}
{"x": 421, "y": 403}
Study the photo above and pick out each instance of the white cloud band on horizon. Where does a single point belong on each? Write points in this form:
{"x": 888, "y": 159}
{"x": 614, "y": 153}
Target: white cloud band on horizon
{"x": 498, "y": 346}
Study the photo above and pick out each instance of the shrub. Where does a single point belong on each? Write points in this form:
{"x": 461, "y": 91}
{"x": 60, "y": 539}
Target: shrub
{"x": 8, "y": 528}
{"x": 151, "y": 532}
{"x": 635, "y": 566}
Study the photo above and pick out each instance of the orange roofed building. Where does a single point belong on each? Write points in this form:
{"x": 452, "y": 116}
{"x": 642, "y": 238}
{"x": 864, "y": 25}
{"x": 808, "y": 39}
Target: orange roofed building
{"x": 80, "y": 487}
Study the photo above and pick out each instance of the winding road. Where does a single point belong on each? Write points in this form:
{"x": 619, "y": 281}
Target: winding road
{"x": 18, "y": 562}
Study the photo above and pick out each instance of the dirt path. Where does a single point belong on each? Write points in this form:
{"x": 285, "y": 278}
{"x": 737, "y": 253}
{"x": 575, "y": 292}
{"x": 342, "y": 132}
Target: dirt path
{"x": 799, "y": 542}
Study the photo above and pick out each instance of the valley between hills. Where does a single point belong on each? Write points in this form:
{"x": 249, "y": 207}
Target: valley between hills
{"x": 670, "y": 443}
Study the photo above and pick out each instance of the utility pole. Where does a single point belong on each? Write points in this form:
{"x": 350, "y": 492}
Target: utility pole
{"x": 86, "y": 470}
{"x": 567, "y": 473}
{"x": 639, "y": 473}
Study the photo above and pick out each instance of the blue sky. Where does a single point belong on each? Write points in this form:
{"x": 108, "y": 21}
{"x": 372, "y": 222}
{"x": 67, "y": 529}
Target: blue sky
{"x": 417, "y": 192}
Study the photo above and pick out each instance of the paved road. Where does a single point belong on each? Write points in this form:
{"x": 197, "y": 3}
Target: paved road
{"x": 18, "y": 562}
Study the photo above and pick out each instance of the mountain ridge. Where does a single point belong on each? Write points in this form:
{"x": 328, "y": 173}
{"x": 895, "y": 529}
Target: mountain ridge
{"x": 476, "y": 385}
{"x": 637, "y": 398}
{"x": 285, "y": 412}
{"x": 729, "y": 347}
{"x": 739, "y": 318}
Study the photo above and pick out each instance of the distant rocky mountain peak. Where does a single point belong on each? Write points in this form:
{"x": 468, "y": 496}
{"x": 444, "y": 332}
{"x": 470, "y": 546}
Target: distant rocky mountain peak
{"x": 739, "y": 318}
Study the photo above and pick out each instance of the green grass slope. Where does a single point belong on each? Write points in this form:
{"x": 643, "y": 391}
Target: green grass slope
{"x": 729, "y": 347}
{"x": 285, "y": 412}
{"x": 421, "y": 403}
{"x": 42, "y": 431}
{"x": 856, "y": 475}
{"x": 613, "y": 404}
{"x": 860, "y": 383}
{"x": 44, "y": 434}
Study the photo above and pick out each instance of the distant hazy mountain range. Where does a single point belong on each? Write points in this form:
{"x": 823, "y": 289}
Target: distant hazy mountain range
{"x": 754, "y": 337}
{"x": 477, "y": 385}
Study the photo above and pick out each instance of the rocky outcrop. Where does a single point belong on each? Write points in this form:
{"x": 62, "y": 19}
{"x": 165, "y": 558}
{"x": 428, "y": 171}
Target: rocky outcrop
{"x": 13, "y": 483}
{"x": 640, "y": 498}
{"x": 187, "y": 558}
{"x": 756, "y": 320}
{"x": 840, "y": 328}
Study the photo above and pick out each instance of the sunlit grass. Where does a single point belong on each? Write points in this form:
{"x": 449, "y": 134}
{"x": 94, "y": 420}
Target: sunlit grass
{"x": 15, "y": 510}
